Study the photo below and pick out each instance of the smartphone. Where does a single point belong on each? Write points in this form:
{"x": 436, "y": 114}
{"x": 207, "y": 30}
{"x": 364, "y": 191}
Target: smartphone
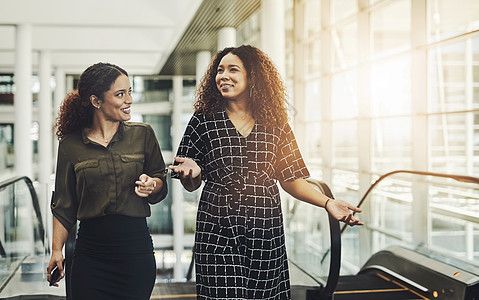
{"x": 56, "y": 273}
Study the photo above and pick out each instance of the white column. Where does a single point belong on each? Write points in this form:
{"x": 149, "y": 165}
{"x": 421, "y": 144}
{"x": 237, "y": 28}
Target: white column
{"x": 23, "y": 101}
{"x": 326, "y": 101}
{"x": 419, "y": 126}
{"x": 364, "y": 138}
{"x": 273, "y": 32}
{"x": 203, "y": 59}
{"x": 45, "y": 117}
{"x": 226, "y": 37}
{"x": 59, "y": 95}
{"x": 177, "y": 189}
{"x": 45, "y": 141}
{"x": 299, "y": 84}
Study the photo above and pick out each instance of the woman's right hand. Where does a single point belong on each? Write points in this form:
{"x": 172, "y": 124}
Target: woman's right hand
{"x": 189, "y": 171}
{"x": 186, "y": 167}
{"x": 55, "y": 261}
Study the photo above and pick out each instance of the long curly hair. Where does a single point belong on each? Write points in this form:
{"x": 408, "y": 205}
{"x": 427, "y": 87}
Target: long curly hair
{"x": 267, "y": 91}
{"x": 76, "y": 111}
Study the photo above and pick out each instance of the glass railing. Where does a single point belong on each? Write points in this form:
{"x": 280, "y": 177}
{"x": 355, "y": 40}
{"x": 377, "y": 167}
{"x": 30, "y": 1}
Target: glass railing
{"x": 22, "y": 233}
{"x": 431, "y": 213}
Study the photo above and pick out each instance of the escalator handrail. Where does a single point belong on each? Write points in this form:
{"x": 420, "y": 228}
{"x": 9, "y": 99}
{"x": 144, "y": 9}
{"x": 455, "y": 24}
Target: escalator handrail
{"x": 335, "y": 250}
{"x": 462, "y": 178}
{"x": 35, "y": 203}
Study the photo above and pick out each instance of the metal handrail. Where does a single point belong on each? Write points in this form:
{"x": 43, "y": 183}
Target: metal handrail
{"x": 461, "y": 178}
{"x": 35, "y": 203}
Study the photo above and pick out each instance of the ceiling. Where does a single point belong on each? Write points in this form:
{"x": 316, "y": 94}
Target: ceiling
{"x": 144, "y": 36}
{"x": 202, "y": 32}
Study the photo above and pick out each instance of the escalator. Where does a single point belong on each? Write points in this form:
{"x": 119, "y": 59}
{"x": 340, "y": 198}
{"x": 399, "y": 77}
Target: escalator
{"x": 400, "y": 273}
{"x": 395, "y": 272}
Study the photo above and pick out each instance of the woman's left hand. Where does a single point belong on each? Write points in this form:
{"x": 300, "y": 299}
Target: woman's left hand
{"x": 144, "y": 186}
{"x": 343, "y": 211}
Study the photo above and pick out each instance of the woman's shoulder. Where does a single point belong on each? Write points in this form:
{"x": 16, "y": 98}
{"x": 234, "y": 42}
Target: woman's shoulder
{"x": 199, "y": 118}
{"x": 71, "y": 137}
{"x": 136, "y": 125}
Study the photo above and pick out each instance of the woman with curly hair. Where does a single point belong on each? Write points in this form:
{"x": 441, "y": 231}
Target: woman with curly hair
{"x": 109, "y": 172}
{"x": 239, "y": 142}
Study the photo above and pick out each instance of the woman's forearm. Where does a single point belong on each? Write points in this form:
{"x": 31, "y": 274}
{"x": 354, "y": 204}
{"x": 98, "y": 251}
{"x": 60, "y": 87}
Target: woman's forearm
{"x": 60, "y": 235}
{"x": 302, "y": 190}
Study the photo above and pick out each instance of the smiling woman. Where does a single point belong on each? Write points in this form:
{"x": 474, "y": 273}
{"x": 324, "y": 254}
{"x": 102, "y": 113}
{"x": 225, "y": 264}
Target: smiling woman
{"x": 240, "y": 143}
{"x": 109, "y": 171}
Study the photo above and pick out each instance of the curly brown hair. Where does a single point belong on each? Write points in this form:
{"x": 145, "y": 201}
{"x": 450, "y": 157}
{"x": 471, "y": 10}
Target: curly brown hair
{"x": 267, "y": 90}
{"x": 76, "y": 111}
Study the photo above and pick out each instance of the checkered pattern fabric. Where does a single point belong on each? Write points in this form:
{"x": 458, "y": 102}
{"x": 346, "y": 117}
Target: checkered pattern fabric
{"x": 240, "y": 245}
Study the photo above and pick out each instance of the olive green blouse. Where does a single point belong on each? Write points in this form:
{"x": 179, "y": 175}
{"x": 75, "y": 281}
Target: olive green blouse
{"x": 93, "y": 181}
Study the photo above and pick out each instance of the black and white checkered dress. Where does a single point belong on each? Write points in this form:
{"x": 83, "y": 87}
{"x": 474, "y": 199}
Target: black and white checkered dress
{"x": 240, "y": 245}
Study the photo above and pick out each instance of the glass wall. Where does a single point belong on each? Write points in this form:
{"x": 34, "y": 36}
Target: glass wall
{"x": 391, "y": 85}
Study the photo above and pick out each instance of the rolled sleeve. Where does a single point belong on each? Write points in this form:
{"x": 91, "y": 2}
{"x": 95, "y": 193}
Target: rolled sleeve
{"x": 64, "y": 205}
{"x": 155, "y": 165}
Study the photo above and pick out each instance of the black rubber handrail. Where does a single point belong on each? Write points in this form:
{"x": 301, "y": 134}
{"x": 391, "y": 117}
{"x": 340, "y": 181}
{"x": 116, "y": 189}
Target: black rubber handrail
{"x": 461, "y": 178}
{"x": 335, "y": 249}
{"x": 36, "y": 206}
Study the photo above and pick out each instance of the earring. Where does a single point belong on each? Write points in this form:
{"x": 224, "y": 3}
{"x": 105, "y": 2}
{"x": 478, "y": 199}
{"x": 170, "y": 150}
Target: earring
{"x": 251, "y": 92}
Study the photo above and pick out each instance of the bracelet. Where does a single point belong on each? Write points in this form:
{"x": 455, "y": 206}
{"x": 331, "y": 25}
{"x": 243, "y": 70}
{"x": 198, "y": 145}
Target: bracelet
{"x": 326, "y": 204}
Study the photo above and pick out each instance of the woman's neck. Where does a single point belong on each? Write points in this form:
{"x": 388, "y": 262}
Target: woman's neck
{"x": 102, "y": 131}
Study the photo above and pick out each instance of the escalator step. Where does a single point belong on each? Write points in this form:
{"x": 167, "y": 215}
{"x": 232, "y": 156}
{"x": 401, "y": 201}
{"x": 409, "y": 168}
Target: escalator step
{"x": 371, "y": 287}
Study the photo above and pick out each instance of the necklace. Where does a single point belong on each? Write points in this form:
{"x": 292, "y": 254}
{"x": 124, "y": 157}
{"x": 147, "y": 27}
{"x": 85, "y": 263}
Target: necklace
{"x": 103, "y": 140}
{"x": 230, "y": 112}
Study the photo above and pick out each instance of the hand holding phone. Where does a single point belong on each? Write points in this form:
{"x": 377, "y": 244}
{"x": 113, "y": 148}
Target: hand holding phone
{"x": 56, "y": 274}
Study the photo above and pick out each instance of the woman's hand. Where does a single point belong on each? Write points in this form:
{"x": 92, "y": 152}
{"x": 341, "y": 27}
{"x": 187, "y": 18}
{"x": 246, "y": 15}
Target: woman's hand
{"x": 145, "y": 185}
{"x": 343, "y": 211}
{"x": 187, "y": 168}
{"x": 55, "y": 261}
{"x": 189, "y": 171}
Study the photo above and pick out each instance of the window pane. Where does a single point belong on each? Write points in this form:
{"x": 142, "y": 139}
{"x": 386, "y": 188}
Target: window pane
{"x": 313, "y": 64}
{"x": 341, "y": 9}
{"x": 391, "y": 27}
{"x": 447, "y": 18}
{"x": 391, "y": 87}
{"x": 391, "y": 144}
{"x": 345, "y": 145}
{"x": 344, "y": 95}
{"x": 161, "y": 125}
{"x": 345, "y": 46}
{"x": 454, "y": 143}
{"x": 312, "y": 10}
{"x": 312, "y": 112}
{"x": 452, "y": 77}
{"x": 313, "y": 101}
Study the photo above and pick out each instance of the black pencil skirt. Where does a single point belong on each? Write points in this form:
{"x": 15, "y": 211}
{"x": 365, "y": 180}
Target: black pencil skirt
{"x": 113, "y": 259}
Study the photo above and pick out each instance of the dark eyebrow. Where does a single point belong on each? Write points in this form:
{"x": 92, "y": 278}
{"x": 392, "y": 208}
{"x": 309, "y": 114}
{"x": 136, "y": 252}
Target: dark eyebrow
{"x": 121, "y": 90}
{"x": 230, "y": 66}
